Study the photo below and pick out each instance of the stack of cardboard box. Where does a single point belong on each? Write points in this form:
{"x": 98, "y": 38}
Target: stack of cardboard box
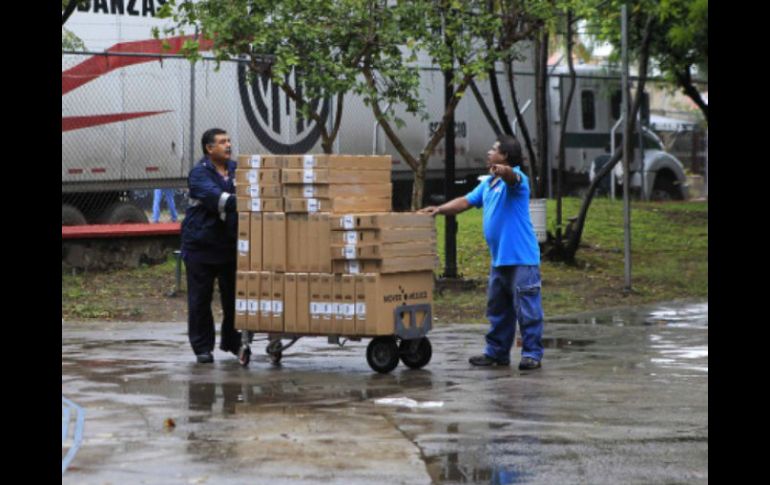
{"x": 318, "y": 251}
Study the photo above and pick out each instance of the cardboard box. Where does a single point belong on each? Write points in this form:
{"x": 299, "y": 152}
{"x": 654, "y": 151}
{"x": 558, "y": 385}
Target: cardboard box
{"x": 290, "y": 303}
{"x": 303, "y": 247}
{"x": 279, "y": 245}
{"x": 378, "y": 296}
{"x": 268, "y": 221}
{"x": 383, "y": 220}
{"x": 270, "y": 176}
{"x": 292, "y": 242}
{"x": 359, "y": 292}
{"x": 324, "y": 241}
{"x": 338, "y": 319}
{"x": 245, "y": 177}
{"x": 276, "y": 318}
{"x": 307, "y": 205}
{"x": 241, "y": 301}
{"x": 249, "y": 161}
{"x": 326, "y": 299}
{"x": 303, "y": 303}
{"x": 361, "y": 162}
{"x": 333, "y": 191}
{"x": 265, "y": 301}
{"x": 253, "y": 293}
{"x": 387, "y": 265}
{"x": 255, "y": 241}
{"x": 382, "y": 251}
{"x": 329, "y": 176}
{"x": 260, "y": 161}
{"x": 257, "y": 191}
{"x": 316, "y": 303}
{"x": 249, "y": 204}
{"x": 348, "y": 308}
{"x": 341, "y": 205}
{"x": 377, "y": 236}
{"x": 244, "y": 239}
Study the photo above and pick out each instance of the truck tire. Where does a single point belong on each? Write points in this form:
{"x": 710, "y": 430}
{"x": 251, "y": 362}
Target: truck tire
{"x": 71, "y": 216}
{"x": 664, "y": 188}
{"x": 123, "y": 213}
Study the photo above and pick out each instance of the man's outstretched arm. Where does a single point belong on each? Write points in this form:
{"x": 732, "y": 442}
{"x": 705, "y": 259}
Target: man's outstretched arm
{"x": 451, "y": 208}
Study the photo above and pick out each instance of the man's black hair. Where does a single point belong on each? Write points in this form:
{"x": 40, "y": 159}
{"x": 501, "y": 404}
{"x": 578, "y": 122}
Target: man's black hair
{"x": 209, "y": 137}
{"x": 511, "y": 148}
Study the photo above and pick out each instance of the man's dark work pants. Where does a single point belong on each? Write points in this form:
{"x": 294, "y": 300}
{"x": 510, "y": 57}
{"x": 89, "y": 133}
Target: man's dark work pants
{"x": 200, "y": 320}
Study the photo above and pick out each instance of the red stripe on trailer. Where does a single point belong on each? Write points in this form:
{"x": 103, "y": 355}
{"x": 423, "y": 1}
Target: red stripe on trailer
{"x": 77, "y": 122}
{"x": 75, "y": 171}
{"x": 120, "y": 230}
{"x": 152, "y": 169}
{"x": 98, "y": 65}
{"x": 98, "y": 170}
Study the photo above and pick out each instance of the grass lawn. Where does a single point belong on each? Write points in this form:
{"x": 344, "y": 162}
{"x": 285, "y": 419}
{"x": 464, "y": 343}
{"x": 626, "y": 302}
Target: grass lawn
{"x": 669, "y": 259}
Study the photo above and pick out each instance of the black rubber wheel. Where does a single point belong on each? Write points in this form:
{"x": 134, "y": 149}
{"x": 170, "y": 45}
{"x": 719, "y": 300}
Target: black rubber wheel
{"x": 664, "y": 188}
{"x": 274, "y": 352}
{"x": 244, "y": 356}
{"x": 416, "y": 353}
{"x": 123, "y": 213}
{"x": 382, "y": 354}
{"x": 71, "y": 216}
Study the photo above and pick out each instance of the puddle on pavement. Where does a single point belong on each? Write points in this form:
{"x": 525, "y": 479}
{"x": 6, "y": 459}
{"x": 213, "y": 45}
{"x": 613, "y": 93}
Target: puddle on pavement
{"x": 676, "y": 314}
{"x": 452, "y": 468}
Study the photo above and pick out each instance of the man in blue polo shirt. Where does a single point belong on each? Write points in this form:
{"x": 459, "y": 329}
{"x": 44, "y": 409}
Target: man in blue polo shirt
{"x": 513, "y": 292}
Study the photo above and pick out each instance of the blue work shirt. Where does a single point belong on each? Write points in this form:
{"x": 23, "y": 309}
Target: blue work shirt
{"x": 210, "y": 226}
{"x": 507, "y": 226}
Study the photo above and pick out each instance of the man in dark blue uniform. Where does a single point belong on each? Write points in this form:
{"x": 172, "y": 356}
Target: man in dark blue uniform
{"x": 209, "y": 235}
{"x": 513, "y": 292}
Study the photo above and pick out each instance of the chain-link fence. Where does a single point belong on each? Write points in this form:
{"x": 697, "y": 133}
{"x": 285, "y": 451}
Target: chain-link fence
{"x": 132, "y": 123}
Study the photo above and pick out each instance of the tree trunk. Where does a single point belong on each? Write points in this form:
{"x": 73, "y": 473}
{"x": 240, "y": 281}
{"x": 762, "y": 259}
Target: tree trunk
{"x": 485, "y": 109}
{"x": 418, "y": 187}
{"x": 684, "y": 79}
{"x": 531, "y": 167}
{"x": 562, "y": 135}
{"x": 575, "y": 228}
{"x": 498, "y": 100}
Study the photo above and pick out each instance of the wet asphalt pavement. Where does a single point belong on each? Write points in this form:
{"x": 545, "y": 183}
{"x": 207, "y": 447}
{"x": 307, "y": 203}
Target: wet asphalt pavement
{"x": 622, "y": 398}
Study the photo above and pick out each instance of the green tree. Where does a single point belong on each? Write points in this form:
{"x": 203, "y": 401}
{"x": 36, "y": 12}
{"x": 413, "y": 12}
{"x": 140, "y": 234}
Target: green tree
{"x": 678, "y": 44}
{"x": 69, "y": 41}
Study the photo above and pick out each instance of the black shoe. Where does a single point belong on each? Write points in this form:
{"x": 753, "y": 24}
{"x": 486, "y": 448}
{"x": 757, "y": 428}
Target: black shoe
{"x": 486, "y": 361}
{"x": 528, "y": 363}
{"x": 205, "y": 358}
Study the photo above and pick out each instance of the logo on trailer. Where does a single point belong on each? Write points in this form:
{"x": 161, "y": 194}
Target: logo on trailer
{"x": 274, "y": 117}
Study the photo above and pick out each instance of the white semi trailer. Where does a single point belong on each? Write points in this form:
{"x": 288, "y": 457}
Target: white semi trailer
{"x": 132, "y": 119}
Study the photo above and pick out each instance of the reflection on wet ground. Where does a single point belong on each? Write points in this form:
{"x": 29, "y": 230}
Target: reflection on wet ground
{"x": 622, "y": 397}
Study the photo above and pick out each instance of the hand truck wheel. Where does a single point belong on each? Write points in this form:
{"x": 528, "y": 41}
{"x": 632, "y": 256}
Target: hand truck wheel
{"x": 416, "y": 353}
{"x": 382, "y": 354}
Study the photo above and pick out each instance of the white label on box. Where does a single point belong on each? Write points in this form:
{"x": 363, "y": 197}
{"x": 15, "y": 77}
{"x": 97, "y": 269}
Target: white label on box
{"x": 253, "y": 176}
{"x": 315, "y": 308}
{"x": 361, "y": 310}
{"x": 308, "y": 161}
{"x": 327, "y": 310}
{"x": 240, "y": 306}
{"x": 349, "y": 252}
{"x": 265, "y": 306}
{"x": 348, "y": 310}
{"x": 254, "y": 191}
{"x": 312, "y": 205}
{"x": 243, "y": 245}
{"x": 277, "y": 307}
{"x": 308, "y": 191}
{"x": 308, "y": 176}
{"x": 256, "y": 205}
{"x": 256, "y": 161}
{"x": 351, "y": 237}
{"x": 253, "y": 306}
{"x": 353, "y": 267}
{"x": 348, "y": 221}
{"x": 336, "y": 309}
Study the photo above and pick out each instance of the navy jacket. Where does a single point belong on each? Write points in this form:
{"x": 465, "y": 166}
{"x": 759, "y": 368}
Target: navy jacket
{"x": 210, "y": 226}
